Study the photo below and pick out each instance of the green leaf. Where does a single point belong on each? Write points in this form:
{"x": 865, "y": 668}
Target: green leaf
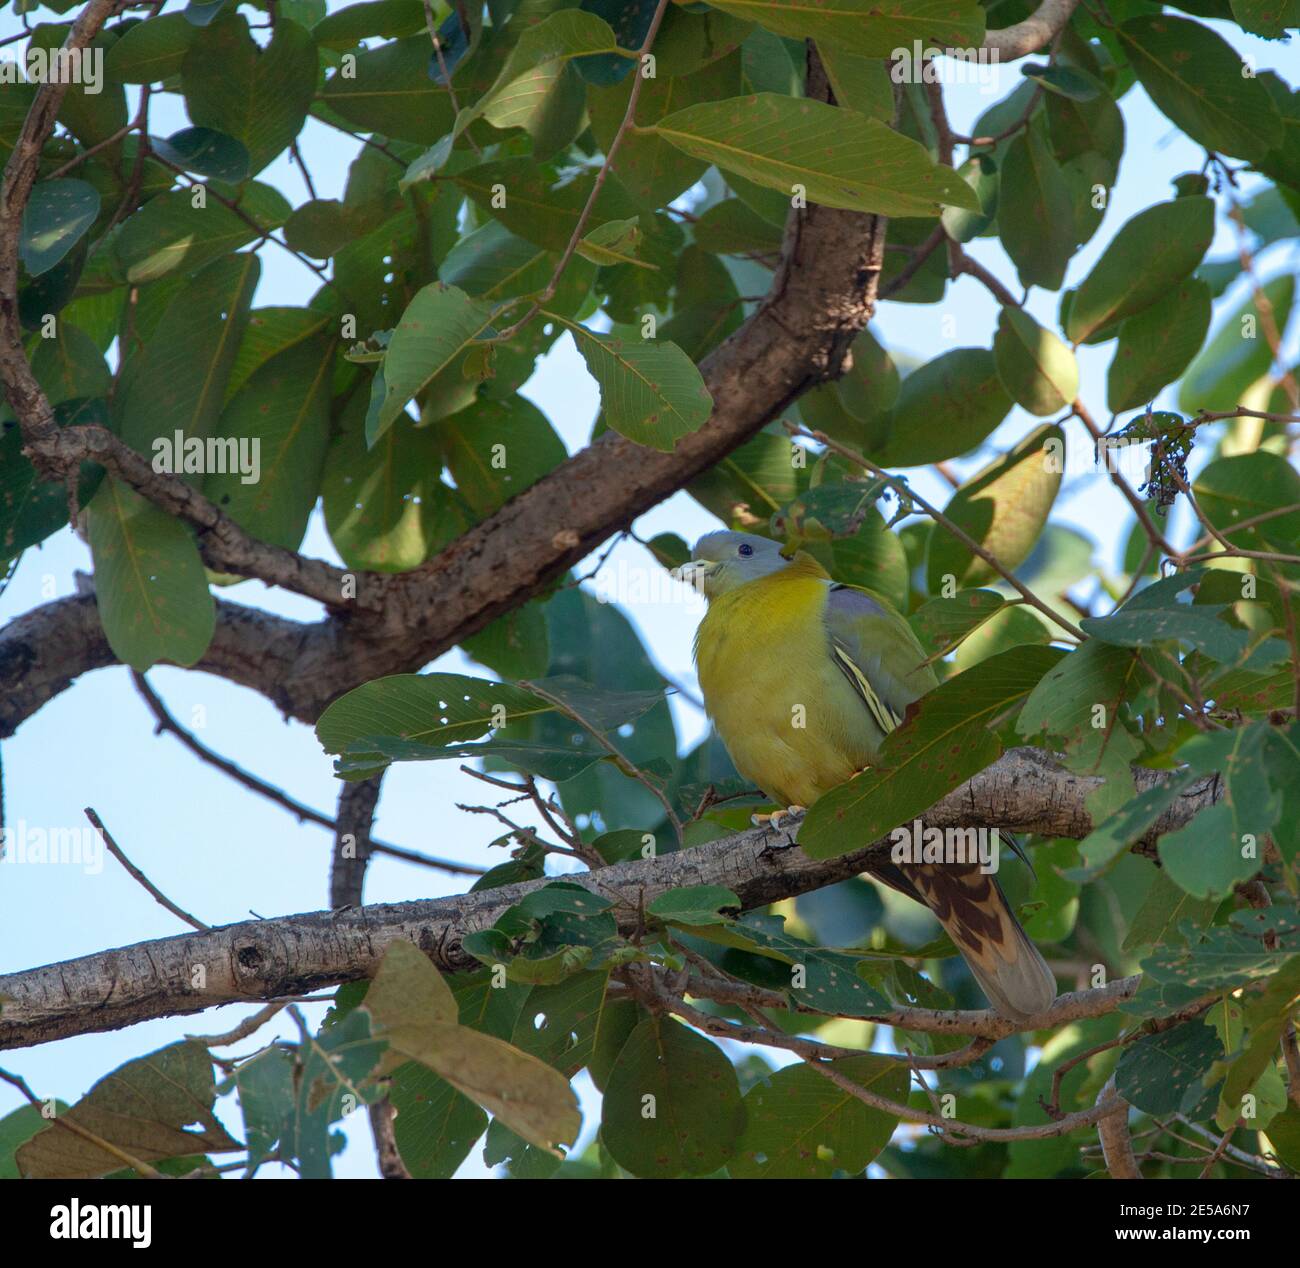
{"x": 1037, "y": 369}
{"x": 1087, "y": 127}
{"x": 289, "y": 1099}
{"x": 1035, "y": 220}
{"x": 258, "y": 96}
{"x": 206, "y": 151}
{"x": 1128, "y": 824}
{"x": 942, "y": 624}
{"x": 386, "y": 506}
{"x": 694, "y": 905}
{"x": 563, "y": 1024}
{"x": 650, "y": 168}
{"x": 169, "y": 232}
{"x": 946, "y": 740}
{"x": 523, "y": 197}
{"x": 282, "y": 415}
{"x": 1269, "y": 18}
{"x": 1158, "y": 1071}
{"x": 150, "y": 585}
{"x": 516, "y": 645}
{"x": 980, "y": 172}
{"x": 155, "y": 1107}
{"x": 1251, "y": 947}
{"x": 1164, "y": 908}
{"x": 439, "y": 324}
{"x": 963, "y": 388}
{"x": 32, "y": 509}
{"x": 345, "y": 28}
{"x": 631, "y": 23}
{"x": 436, "y": 1126}
{"x": 838, "y": 157}
{"x": 650, "y": 392}
{"x": 389, "y": 91}
{"x": 672, "y": 1103}
{"x": 1230, "y": 490}
{"x": 523, "y": 91}
{"x": 1200, "y": 82}
{"x": 1196, "y": 626}
{"x": 614, "y": 243}
{"x": 492, "y": 263}
{"x": 177, "y": 382}
{"x": 269, "y": 332}
{"x": 1149, "y": 255}
{"x": 1157, "y": 345}
{"x": 1063, "y": 81}
{"x": 1004, "y": 507}
{"x": 1064, "y": 704}
{"x": 18, "y": 1127}
{"x": 70, "y": 366}
{"x": 801, "y": 1126}
{"x": 150, "y": 51}
{"x": 860, "y": 83}
{"x": 732, "y": 227}
{"x": 829, "y": 980}
{"x": 429, "y": 708}
{"x": 56, "y": 217}
{"x": 1222, "y": 846}
{"x": 872, "y": 28}
{"x": 1238, "y": 355}
{"x": 496, "y": 449}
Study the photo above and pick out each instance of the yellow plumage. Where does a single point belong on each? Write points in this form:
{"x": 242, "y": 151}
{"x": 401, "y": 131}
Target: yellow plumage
{"x": 803, "y": 679}
{"x": 791, "y": 722}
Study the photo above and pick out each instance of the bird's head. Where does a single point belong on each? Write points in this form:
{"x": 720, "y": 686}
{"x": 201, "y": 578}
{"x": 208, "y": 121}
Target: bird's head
{"x": 724, "y": 560}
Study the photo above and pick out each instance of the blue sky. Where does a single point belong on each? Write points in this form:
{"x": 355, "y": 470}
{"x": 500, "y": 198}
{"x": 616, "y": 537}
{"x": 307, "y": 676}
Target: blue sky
{"x": 221, "y": 852}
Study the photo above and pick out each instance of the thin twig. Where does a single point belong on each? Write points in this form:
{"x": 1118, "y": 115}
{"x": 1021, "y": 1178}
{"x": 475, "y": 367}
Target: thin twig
{"x": 624, "y": 764}
{"x": 116, "y": 851}
{"x": 944, "y": 522}
{"x": 629, "y": 118}
{"x": 249, "y": 1026}
{"x": 304, "y": 813}
{"x": 68, "y": 1124}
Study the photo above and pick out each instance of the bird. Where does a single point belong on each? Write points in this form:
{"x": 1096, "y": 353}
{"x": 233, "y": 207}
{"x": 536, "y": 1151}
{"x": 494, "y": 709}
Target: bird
{"x": 783, "y": 643}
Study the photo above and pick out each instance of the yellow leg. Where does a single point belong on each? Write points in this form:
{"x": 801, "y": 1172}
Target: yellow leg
{"x": 773, "y": 820}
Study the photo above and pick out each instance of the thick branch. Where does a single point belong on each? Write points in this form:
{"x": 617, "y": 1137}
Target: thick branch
{"x": 267, "y": 959}
{"x": 1038, "y": 29}
{"x": 822, "y": 295}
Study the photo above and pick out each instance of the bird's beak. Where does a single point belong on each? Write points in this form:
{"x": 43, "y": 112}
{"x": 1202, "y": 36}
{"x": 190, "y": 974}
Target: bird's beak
{"x": 694, "y": 572}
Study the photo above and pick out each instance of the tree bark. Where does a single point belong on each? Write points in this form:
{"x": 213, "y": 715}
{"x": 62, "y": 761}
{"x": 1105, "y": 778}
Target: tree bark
{"x": 261, "y": 960}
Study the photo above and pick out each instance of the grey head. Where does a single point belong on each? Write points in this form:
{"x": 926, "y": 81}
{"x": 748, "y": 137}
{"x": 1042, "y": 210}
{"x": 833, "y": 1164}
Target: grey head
{"x": 724, "y": 560}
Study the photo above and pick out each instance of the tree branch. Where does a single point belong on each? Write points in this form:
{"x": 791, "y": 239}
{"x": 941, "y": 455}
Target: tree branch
{"x": 26, "y": 396}
{"x": 1039, "y": 28}
{"x": 823, "y": 294}
{"x": 267, "y": 959}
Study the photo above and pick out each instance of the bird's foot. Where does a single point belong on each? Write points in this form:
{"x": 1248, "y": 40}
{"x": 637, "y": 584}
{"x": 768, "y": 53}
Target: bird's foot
{"x": 773, "y": 820}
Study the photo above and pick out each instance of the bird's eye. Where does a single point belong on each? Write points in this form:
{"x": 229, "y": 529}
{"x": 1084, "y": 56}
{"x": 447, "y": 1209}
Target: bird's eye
{"x": 745, "y": 549}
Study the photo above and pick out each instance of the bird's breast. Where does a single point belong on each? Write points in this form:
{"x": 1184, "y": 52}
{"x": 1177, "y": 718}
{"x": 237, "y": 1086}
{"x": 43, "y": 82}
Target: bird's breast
{"x": 786, "y": 714}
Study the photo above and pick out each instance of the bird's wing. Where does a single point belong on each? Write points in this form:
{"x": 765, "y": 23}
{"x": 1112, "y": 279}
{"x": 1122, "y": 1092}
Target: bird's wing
{"x": 875, "y": 649}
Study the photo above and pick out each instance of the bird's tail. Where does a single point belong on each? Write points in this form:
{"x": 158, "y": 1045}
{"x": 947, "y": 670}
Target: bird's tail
{"x": 976, "y": 916}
